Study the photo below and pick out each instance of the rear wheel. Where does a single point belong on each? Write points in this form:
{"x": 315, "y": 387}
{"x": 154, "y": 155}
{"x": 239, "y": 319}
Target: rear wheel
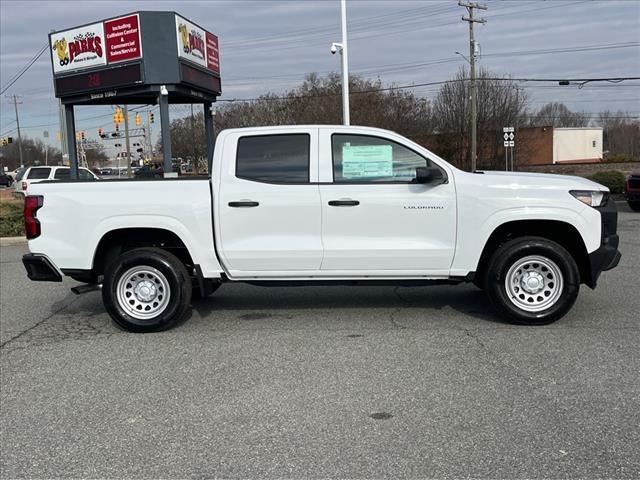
{"x": 146, "y": 290}
{"x": 634, "y": 205}
{"x": 532, "y": 281}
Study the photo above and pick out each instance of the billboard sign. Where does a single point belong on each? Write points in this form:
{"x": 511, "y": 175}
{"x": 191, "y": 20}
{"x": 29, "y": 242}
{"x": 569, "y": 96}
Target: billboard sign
{"x": 197, "y": 45}
{"x": 123, "y": 38}
{"x": 213, "y": 56}
{"x": 191, "y": 41}
{"x": 79, "y": 48}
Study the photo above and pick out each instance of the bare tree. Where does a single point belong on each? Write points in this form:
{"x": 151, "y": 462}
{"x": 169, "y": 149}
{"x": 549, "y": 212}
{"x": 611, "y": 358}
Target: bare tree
{"x": 318, "y": 101}
{"x": 34, "y": 152}
{"x": 500, "y": 103}
{"x": 621, "y": 135}
{"x": 556, "y": 114}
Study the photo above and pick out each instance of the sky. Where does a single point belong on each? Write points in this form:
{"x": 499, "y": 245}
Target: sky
{"x": 269, "y": 46}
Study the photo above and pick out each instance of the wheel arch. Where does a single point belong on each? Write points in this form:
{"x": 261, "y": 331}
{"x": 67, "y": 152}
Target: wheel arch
{"x": 117, "y": 241}
{"x": 557, "y": 231}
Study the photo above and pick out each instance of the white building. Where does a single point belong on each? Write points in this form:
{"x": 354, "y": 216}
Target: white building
{"x": 577, "y": 145}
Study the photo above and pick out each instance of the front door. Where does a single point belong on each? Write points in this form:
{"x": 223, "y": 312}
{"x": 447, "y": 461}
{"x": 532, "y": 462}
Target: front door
{"x": 375, "y": 218}
{"x": 269, "y": 211}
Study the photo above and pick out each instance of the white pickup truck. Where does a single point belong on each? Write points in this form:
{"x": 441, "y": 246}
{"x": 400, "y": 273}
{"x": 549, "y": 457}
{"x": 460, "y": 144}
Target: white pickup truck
{"x": 323, "y": 204}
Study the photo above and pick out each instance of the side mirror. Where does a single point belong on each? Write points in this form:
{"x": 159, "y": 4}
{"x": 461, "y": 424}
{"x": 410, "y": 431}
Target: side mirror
{"x": 430, "y": 175}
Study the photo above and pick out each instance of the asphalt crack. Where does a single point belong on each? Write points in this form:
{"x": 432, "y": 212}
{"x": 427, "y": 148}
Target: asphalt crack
{"x": 37, "y": 324}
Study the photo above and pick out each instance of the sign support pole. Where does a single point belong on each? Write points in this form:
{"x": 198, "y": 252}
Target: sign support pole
{"x": 70, "y": 131}
{"x": 210, "y": 132}
{"x": 165, "y": 131}
{"x": 126, "y": 137}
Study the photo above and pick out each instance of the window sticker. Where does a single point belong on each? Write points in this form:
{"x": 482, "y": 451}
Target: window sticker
{"x": 367, "y": 161}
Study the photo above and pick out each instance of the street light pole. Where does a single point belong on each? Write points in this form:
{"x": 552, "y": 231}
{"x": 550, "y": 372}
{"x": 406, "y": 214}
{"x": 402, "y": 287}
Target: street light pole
{"x": 345, "y": 65}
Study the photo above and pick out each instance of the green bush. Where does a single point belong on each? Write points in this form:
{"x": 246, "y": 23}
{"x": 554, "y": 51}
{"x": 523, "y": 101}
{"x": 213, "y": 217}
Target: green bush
{"x": 612, "y": 179}
{"x": 11, "y": 222}
{"x": 618, "y": 158}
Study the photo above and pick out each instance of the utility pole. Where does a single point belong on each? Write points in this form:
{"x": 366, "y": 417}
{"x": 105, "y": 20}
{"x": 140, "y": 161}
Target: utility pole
{"x": 126, "y": 139}
{"x": 15, "y": 99}
{"x": 470, "y": 6}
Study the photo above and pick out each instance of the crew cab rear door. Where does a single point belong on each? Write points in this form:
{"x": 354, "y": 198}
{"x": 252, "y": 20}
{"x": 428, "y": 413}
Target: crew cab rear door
{"x": 376, "y": 219}
{"x": 269, "y": 217}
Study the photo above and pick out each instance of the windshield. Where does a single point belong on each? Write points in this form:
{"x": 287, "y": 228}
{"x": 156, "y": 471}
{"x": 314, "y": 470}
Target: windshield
{"x": 20, "y": 174}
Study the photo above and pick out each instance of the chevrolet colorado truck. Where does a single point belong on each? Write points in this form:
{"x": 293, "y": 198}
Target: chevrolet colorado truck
{"x": 308, "y": 205}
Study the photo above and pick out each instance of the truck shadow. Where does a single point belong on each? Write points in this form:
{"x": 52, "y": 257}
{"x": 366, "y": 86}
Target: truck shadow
{"x": 256, "y": 303}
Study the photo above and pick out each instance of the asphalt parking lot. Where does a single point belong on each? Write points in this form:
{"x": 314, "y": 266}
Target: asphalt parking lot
{"x": 322, "y": 382}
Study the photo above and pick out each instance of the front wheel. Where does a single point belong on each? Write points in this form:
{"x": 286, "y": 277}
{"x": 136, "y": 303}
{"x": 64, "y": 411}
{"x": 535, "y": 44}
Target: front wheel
{"x": 635, "y": 206}
{"x": 532, "y": 281}
{"x": 146, "y": 290}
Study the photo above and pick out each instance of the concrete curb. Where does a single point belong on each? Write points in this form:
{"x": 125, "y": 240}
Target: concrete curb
{"x": 10, "y": 241}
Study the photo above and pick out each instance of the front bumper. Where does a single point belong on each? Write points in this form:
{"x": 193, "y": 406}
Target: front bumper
{"x": 607, "y": 256}
{"x": 40, "y": 268}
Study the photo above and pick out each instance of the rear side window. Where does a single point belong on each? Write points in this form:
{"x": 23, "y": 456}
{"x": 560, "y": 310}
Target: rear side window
{"x": 39, "y": 173}
{"x": 65, "y": 174}
{"x": 274, "y": 158}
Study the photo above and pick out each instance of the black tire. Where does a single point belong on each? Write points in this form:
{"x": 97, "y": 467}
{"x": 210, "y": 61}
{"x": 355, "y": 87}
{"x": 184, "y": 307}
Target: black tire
{"x": 553, "y": 261}
{"x": 635, "y": 206}
{"x": 161, "y": 277}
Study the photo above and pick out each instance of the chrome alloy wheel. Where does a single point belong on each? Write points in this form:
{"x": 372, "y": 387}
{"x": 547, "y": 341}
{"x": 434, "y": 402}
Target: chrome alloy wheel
{"x": 534, "y": 283}
{"x": 143, "y": 292}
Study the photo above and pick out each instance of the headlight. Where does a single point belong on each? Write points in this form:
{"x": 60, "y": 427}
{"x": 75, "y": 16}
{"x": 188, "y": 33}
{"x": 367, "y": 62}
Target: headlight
{"x": 593, "y": 198}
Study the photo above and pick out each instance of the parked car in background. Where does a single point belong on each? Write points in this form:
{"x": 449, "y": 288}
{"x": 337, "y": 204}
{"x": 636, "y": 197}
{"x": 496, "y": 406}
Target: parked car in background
{"x": 6, "y": 180}
{"x": 31, "y": 175}
{"x": 632, "y": 191}
{"x": 149, "y": 171}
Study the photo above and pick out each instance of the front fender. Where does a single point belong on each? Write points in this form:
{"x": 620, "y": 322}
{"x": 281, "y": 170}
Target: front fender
{"x": 586, "y": 222}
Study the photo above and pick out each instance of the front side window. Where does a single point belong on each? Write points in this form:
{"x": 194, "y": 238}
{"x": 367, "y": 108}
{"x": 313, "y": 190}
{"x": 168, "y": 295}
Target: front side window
{"x": 274, "y": 158}
{"x": 39, "y": 173}
{"x": 62, "y": 174}
{"x": 85, "y": 174}
{"x": 363, "y": 158}
{"x": 65, "y": 174}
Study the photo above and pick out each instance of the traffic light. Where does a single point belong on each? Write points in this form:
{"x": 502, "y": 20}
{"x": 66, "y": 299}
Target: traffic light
{"x": 118, "y": 116}
{"x": 100, "y": 132}
{"x": 151, "y": 119}
{"x": 138, "y": 120}
{"x": 77, "y": 136}
{"x": 82, "y": 135}
{"x": 117, "y": 128}
{"x": 9, "y": 139}
{"x": 4, "y": 142}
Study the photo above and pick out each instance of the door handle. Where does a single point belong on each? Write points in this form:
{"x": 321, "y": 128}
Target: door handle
{"x": 244, "y": 204}
{"x": 344, "y": 203}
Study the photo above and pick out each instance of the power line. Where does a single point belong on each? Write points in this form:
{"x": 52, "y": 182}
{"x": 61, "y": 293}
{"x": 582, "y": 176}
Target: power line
{"x": 17, "y": 76}
{"x": 426, "y": 84}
